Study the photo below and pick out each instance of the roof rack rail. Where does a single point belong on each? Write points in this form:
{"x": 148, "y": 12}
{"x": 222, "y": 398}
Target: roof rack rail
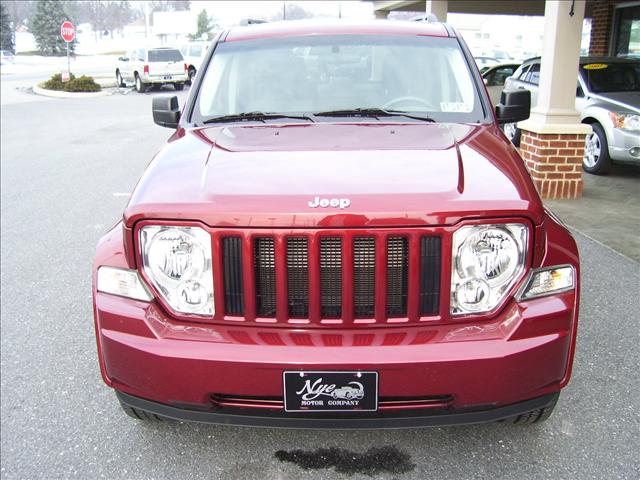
{"x": 251, "y": 21}
{"x": 427, "y": 17}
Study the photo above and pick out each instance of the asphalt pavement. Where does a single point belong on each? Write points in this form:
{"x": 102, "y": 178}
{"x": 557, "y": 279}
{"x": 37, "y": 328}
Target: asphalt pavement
{"x": 67, "y": 166}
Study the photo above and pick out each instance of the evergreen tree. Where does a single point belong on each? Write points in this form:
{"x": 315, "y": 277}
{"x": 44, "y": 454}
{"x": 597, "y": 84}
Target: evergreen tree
{"x": 45, "y": 26}
{"x": 6, "y": 32}
{"x": 205, "y": 25}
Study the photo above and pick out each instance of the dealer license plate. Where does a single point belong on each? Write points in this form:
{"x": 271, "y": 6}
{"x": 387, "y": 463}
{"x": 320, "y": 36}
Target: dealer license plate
{"x": 321, "y": 391}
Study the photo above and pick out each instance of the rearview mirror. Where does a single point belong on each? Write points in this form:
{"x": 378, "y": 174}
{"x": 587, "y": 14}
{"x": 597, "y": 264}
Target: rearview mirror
{"x": 166, "y": 111}
{"x": 514, "y": 106}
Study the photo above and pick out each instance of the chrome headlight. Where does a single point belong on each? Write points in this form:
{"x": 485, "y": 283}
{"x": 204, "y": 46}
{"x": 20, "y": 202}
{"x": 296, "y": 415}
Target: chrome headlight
{"x": 177, "y": 260}
{"x": 625, "y": 121}
{"x": 487, "y": 261}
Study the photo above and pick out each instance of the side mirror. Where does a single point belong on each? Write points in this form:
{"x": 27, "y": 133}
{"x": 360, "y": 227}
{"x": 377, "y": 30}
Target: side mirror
{"x": 514, "y": 106}
{"x": 123, "y": 59}
{"x": 485, "y": 81}
{"x": 166, "y": 111}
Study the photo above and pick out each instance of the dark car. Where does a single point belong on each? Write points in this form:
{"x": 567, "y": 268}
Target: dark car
{"x": 337, "y": 207}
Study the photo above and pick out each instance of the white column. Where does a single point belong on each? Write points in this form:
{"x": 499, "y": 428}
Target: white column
{"x": 439, "y": 8}
{"x": 559, "y": 70}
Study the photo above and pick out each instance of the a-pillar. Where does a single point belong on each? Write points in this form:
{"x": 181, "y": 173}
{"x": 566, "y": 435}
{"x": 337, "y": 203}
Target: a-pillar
{"x": 439, "y": 8}
{"x": 552, "y": 141}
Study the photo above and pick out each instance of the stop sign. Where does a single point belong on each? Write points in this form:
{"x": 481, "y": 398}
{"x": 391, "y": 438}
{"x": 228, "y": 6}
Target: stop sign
{"x": 67, "y": 31}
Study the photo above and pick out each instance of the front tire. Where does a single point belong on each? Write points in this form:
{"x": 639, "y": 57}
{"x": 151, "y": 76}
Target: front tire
{"x": 513, "y": 133}
{"x": 142, "y": 415}
{"x": 538, "y": 415}
{"x": 119, "y": 80}
{"x": 596, "y": 158}
{"x": 191, "y": 74}
{"x": 141, "y": 87}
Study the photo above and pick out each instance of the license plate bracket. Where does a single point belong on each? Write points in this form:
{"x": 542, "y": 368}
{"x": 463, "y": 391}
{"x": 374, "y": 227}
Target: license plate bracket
{"x": 330, "y": 391}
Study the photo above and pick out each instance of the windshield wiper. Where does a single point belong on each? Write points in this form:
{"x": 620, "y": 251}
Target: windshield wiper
{"x": 373, "y": 113}
{"x": 254, "y": 116}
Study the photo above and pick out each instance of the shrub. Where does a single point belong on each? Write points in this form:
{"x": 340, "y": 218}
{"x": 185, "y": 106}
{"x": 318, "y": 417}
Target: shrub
{"x": 75, "y": 84}
{"x": 55, "y": 82}
{"x": 82, "y": 84}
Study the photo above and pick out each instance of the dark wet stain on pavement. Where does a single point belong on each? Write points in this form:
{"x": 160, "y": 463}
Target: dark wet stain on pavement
{"x": 374, "y": 461}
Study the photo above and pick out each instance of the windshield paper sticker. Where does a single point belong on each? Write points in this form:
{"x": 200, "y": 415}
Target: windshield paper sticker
{"x": 456, "y": 107}
{"x": 595, "y": 66}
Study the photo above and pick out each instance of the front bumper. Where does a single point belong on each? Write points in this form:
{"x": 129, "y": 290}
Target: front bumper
{"x": 621, "y": 144}
{"x": 522, "y": 354}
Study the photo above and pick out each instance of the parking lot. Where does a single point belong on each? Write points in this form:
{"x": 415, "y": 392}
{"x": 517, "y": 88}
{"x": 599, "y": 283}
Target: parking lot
{"x": 67, "y": 168}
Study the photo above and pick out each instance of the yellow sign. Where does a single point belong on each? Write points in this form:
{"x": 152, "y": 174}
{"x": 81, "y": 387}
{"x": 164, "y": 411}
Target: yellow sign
{"x": 595, "y": 66}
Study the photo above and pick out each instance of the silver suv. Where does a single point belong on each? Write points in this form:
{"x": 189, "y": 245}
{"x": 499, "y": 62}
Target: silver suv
{"x": 607, "y": 98}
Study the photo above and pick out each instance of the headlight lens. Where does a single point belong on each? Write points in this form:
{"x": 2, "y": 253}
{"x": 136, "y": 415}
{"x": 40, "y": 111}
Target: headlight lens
{"x": 122, "y": 282}
{"x": 177, "y": 260}
{"x": 487, "y": 261}
{"x": 548, "y": 281}
{"x": 625, "y": 121}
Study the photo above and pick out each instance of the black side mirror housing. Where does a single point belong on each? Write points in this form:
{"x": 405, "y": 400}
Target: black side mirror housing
{"x": 166, "y": 111}
{"x": 123, "y": 59}
{"x": 514, "y": 106}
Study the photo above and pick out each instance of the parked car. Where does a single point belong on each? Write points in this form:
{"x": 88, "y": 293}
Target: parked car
{"x": 337, "y": 204}
{"x": 484, "y": 62}
{"x": 152, "y": 66}
{"x": 6, "y": 56}
{"x": 607, "y": 98}
{"x": 193, "y": 53}
{"x": 494, "y": 78}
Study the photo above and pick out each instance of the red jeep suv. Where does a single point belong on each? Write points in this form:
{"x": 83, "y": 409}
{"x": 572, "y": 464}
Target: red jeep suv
{"x": 337, "y": 235}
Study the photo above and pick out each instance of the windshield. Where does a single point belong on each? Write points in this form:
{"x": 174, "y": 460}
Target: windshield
{"x": 165, "y": 56}
{"x": 611, "y": 77}
{"x": 314, "y": 74}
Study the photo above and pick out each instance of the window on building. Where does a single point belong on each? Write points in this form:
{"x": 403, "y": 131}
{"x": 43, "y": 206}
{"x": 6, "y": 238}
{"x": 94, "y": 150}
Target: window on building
{"x": 626, "y": 41}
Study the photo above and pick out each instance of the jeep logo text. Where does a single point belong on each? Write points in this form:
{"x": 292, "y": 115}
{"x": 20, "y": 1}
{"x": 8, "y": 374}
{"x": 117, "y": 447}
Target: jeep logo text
{"x": 329, "y": 202}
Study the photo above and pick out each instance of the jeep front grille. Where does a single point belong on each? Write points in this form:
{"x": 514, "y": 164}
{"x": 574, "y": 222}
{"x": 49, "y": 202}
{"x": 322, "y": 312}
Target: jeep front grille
{"x": 323, "y": 278}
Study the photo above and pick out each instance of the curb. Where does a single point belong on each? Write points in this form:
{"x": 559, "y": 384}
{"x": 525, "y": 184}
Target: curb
{"x": 38, "y": 90}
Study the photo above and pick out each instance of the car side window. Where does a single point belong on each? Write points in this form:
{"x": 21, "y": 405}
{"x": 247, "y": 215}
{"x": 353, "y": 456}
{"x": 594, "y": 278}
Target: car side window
{"x": 196, "y": 50}
{"x": 533, "y": 75}
{"x": 523, "y": 72}
{"x": 499, "y": 76}
{"x": 579, "y": 91}
{"x": 141, "y": 53}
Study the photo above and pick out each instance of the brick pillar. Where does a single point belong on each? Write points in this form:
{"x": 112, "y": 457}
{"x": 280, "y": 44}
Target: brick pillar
{"x": 554, "y": 162}
{"x": 601, "y": 19}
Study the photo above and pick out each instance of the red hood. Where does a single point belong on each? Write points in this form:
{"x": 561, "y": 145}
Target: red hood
{"x": 393, "y": 174}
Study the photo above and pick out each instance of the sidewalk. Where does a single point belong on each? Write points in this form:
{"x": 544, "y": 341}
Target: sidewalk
{"x": 609, "y": 210}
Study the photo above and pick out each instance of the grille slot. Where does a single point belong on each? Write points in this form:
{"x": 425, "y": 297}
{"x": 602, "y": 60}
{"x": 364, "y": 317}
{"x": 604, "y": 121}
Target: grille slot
{"x": 265, "y": 276}
{"x": 364, "y": 276}
{"x": 397, "y": 273}
{"x": 331, "y": 277}
{"x": 430, "y": 264}
{"x": 298, "y": 276}
{"x": 232, "y": 269}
